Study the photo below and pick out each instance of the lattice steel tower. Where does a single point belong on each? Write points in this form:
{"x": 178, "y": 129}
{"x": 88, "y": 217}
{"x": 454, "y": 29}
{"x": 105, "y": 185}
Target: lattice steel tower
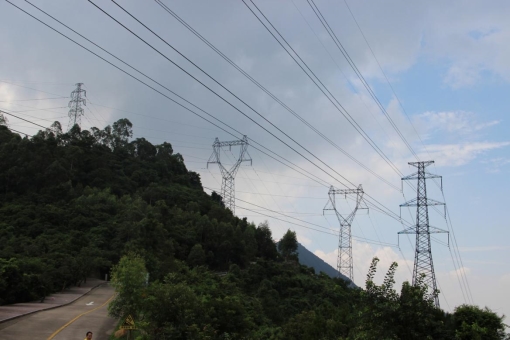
{"x": 76, "y": 111}
{"x": 228, "y": 176}
{"x": 344, "y": 259}
{"x": 423, "y": 264}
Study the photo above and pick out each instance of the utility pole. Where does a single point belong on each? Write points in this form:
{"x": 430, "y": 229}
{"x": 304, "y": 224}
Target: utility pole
{"x": 76, "y": 111}
{"x": 228, "y": 176}
{"x": 423, "y": 264}
{"x": 344, "y": 260}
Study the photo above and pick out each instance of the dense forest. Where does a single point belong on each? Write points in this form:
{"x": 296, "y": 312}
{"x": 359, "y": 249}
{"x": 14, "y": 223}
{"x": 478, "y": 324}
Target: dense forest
{"x": 88, "y": 203}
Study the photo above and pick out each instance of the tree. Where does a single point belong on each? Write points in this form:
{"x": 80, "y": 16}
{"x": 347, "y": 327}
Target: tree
{"x": 266, "y": 245}
{"x": 473, "y": 322}
{"x": 129, "y": 280}
{"x": 288, "y": 245}
{"x": 56, "y": 128}
{"x": 217, "y": 198}
{"x": 196, "y": 256}
{"x": 3, "y": 120}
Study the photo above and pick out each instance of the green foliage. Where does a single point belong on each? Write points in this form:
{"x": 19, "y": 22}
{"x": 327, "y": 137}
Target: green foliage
{"x": 385, "y": 314}
{"x": 196, "y": 256}
{"x": 82, "y": 203}
{"x": 129, "y": 280}
{"x": 473, "y": 322}
{"x": 288, "y": 245}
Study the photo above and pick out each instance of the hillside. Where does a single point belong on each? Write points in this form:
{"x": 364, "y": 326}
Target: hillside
{"x": 85, "y": 203}
{"x": 309, "y": 259}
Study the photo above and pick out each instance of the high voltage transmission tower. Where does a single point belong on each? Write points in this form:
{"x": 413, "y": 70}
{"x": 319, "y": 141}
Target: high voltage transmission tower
{"x": 423, "y": 264}
{"x": 76, "y": 111}
{"x": 344, "y": 259}
{"x": 228, "y": 176}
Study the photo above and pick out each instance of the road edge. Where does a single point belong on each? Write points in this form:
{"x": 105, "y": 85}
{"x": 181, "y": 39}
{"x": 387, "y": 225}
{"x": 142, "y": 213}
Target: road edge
{"x": 53, "y": 307}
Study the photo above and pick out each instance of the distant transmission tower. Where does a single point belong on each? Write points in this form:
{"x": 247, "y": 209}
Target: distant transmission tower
{"x": 228, "y": 181}
{"x": 76, "y": 111}
{"x": 423, "y": 264}
{"x": 344, "y": 259}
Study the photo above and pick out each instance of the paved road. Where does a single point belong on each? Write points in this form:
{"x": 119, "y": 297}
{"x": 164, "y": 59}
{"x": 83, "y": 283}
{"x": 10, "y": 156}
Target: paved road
{"x": 44, "y": 324}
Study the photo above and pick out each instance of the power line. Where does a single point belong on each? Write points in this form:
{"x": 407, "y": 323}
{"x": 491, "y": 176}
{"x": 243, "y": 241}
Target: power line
{"x": 361, "y": 239}
{"x": 344, "y": 52}
{"x": 23, "y": 133}
{"x": 456, "y": 250}
{"x": 300, "y": 220}
{"x": 221, "y": 97}
{"x": 323, "y": 89}
{"x": 37, "y": 82}
{"x": 385, "y": 76}
{"x": 233, "y": 106}
{"x": 346, "y": 114}
{"x": 10, "y": 114}
{"x": 166, "y": 88}
{"x": 285, "y": 106}
{"x": 276, "y": 182}
{"x": 157, "y": 118}
{"x": 389, "y": 213}
{"x": 31, "y": 122}
{"x": 127, "y": 73}
{"x": 341, "y": 71}
{"x": 279, "y": 219}
{"x": 28, "y": 100}
{"x": 27, "y": 87}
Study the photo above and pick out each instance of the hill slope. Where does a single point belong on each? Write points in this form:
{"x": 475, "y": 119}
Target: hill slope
{"x": 309, "y": 259}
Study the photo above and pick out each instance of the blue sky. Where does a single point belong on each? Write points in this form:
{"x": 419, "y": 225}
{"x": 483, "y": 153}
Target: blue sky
{"x": 447, "y": 63}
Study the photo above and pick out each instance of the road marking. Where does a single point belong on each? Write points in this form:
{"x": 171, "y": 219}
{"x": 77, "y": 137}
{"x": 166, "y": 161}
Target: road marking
{"x": 76, "y": 318}
{"x": 90, "y": 303}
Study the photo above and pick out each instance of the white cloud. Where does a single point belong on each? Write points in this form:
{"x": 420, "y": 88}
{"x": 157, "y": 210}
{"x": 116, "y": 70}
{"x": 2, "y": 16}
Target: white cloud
{"x": 459, "y": 154}
{"x": 461, "y": 76}
{"x": 452, "y": 121}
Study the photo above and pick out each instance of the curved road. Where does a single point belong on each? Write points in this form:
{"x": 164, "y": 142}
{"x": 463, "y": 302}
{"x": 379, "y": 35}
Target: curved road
{"x": 88, "y": 312}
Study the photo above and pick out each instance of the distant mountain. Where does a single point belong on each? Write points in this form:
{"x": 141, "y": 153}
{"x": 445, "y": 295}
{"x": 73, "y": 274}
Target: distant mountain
{"x": 309, "y": 259}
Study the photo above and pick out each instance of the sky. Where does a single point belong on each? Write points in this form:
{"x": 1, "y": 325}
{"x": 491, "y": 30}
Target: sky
{"x": 436, "y": 76}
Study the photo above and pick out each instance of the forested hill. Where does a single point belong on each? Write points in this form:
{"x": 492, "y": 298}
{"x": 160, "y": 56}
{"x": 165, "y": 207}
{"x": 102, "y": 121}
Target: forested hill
{"x": 73, "y": 203}
{"x": 86, "y": 203}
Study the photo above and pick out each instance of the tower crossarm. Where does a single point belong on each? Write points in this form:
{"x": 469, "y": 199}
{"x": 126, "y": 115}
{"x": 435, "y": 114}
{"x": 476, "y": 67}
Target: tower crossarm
{"x": 432, "y": 230}
{"x": 230, "y": 144}
{"x": 422, "y": 202}
{"x": 415, "y": 176}
{"x": 415, "y": 202}
{"x": 344, "y": 191}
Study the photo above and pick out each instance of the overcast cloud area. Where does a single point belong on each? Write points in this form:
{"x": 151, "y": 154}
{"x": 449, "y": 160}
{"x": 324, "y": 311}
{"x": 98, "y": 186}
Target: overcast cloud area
{"x": 446, "y": 61}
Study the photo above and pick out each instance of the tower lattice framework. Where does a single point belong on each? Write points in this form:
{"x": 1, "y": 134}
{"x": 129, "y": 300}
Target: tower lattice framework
{"x": 75, "y": 105}
{"x": 423, "y": 263}
{"x": 344, "y": 263}
{"x": 228, "y": 175}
